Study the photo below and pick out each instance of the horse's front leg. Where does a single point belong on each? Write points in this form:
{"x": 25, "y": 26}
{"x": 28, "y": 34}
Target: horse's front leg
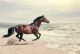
{"x": 36, "y": 36}
{"x": 39, "y": 34}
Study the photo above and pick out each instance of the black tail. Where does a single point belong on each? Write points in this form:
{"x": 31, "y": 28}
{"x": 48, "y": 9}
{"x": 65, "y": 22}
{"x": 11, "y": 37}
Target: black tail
{"x": 10, "y": 32}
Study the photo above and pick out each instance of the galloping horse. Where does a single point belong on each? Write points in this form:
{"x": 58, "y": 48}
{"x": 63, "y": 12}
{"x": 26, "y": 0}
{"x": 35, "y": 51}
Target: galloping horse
{"x": 32, "y": 28}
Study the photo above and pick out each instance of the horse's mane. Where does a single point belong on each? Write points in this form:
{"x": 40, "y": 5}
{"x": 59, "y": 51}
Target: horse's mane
{"x": 37, "y": 19}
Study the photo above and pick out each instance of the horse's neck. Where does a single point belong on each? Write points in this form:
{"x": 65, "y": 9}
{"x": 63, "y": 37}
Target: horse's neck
{"x": 38, "y": 23}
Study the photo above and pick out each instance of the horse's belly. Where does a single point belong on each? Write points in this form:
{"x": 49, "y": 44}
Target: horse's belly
{"x": 27, "y": 31}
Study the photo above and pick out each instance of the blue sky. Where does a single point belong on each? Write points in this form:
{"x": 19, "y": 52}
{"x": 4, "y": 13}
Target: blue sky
{"x": 24, "y": 11}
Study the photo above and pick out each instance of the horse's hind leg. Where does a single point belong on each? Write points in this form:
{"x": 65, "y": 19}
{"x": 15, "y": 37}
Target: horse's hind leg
{"x": 21, "y": 37}
{"x": 17, "y": 36}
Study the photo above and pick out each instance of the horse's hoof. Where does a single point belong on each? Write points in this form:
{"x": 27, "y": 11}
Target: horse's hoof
{"x": 19, "y": 40}
{"x": 33, "y": 40}
{"x": 24, "y": 40}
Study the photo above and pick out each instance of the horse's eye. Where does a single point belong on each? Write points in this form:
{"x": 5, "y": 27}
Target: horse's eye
{"x": 42, "y": 18}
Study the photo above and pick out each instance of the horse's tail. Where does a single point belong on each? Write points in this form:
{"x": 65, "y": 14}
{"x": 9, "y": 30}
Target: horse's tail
{"x": 10, "y": 32}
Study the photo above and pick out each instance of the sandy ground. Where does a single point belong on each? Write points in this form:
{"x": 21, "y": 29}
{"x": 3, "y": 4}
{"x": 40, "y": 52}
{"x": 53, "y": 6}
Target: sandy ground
{"x": 12, "y": 46}
{"x": 58, "y": 39}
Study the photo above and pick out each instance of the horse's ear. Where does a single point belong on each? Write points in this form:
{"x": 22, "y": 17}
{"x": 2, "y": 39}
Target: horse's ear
{"x": 42, "y": 15}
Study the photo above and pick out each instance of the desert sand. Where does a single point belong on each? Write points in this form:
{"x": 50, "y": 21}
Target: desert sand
{"x": 13, "y": 46}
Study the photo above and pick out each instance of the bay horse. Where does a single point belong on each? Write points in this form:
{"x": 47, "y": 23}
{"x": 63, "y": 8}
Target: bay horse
{"x": 32, "y": 28}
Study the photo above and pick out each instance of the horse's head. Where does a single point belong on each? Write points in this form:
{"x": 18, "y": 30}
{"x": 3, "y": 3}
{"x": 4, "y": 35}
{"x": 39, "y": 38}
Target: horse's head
{"x": 43, "y": 19}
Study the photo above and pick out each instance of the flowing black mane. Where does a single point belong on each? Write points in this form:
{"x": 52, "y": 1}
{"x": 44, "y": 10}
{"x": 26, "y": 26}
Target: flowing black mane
{"x": 37, "y": 19}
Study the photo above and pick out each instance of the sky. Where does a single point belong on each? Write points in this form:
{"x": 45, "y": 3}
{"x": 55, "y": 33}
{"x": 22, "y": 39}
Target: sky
{"x": 25, "y": 11}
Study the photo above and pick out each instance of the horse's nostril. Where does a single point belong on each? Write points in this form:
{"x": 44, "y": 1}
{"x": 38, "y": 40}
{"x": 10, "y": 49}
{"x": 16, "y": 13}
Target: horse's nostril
{"x": 48, "y": 22}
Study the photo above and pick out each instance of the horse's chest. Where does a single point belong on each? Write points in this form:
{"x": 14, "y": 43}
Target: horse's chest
{"x": 34, "y": 29}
